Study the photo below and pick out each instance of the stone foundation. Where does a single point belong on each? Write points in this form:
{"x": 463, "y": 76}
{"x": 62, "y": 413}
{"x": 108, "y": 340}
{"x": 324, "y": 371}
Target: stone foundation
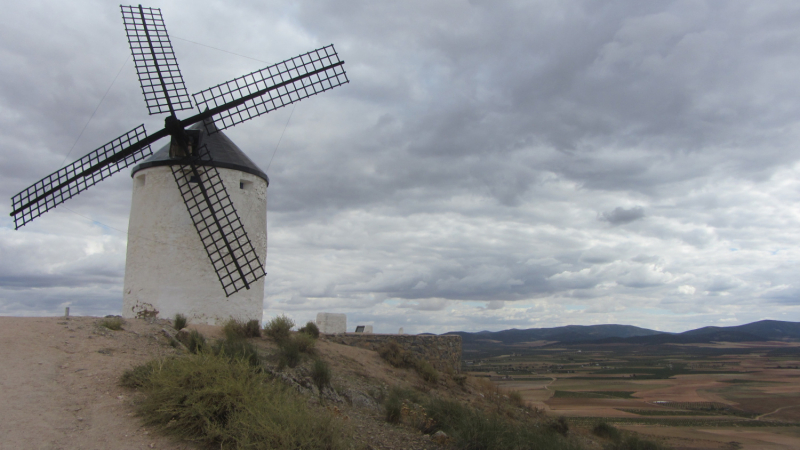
{"x": 443, "y": 352}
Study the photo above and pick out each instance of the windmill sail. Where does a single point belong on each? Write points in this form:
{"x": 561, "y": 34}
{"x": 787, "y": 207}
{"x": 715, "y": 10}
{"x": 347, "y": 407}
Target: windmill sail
{"x": 273, "y": 87}
{"x": 159, "y": 74}
{"x": 84, "y": 173}
{"x": 218, "y": 224}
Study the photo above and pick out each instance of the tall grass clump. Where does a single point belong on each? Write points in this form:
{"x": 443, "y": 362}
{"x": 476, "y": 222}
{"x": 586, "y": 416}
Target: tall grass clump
{"x": 179, "y": 322}
{"x": 227, "y": 404}
{"x": 194, "y": 341}
{"x": 237, "y": 349}
{"x": 292, "y": 348}
{"x": 237, "y": 329}
{"x": 310, "y": 329}
{"x": 278, "y": 328}
{"x": 605, "y": 430}
{"x": 471, "y": 428}
{"x": 397, "y": 356}
{"x": 321, "y": 374}
{"x": 112, "y": 323}
{"x": 634, "y": 442}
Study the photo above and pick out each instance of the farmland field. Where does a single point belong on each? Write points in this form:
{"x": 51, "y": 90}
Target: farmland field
{"x": 713, "y": 396}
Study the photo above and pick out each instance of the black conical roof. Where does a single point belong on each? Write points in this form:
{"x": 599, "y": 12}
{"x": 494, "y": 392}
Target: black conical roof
{"x": 224, "y": 153}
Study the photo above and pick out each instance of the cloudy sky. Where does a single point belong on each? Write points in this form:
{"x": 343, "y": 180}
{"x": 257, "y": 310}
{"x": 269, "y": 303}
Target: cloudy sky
{"x": 491, "y": 165}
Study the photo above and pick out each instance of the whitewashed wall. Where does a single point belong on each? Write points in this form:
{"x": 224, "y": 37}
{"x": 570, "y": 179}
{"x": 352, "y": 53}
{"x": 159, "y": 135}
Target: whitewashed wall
{"x": 330, "y": 323}
{"x": 167, "y": 269}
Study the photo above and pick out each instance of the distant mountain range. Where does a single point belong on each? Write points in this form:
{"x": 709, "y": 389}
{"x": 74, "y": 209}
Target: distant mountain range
{"x": 763, "y": 330}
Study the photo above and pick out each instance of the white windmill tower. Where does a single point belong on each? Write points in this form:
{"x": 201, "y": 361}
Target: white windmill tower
{"x": 167, "y": 268}
{"x": 197, "y": 235}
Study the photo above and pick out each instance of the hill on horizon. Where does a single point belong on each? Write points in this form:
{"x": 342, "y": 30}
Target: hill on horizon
{"x": 762, "y": 330}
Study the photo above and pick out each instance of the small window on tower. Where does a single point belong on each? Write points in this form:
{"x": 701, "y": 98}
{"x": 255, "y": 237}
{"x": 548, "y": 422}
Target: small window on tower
{"x": 245, "y": 185}
{"x": 139, "y": 181}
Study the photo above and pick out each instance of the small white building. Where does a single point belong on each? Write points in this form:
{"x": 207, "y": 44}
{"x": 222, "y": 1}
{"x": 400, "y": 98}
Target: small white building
{"x": 167, "y": 269}
{"x": 331, "y": 323}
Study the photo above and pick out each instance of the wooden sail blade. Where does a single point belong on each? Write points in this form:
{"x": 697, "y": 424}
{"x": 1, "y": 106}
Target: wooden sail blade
{"x": 84, "y": 173}
{"x": 271, "y": 88}
{"x": 218, "y": 224}
{"x": 159, "y": 74}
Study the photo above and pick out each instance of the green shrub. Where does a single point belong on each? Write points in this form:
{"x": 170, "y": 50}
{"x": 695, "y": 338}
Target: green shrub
{"x": 394, "y": 402}
{"x": 237, "y": 349}
{"x": 426, "y": 371}
{"x": 633, "y": 442}
{"x": 607, "y": 431}
{"x": 179, "y": 322}
{"x": 194, "y": 341}
{"x": 278, "y": 328}
{"x": 139, "y": 375}
{"x": 515, "y": 397}
{"x": 236, "y": 329}
{"x": 310, "y": 329}
{"x": 112, "y": 323}
{"x": 228, "y": 404}
{"x": 473, "y": 429}
{"x": 560, "y": 426}
{"x": 305, "y": 343}
{"x": 396, "y": 355}
{"x": 289, "y": 354}
{"x": 321, "y": 374}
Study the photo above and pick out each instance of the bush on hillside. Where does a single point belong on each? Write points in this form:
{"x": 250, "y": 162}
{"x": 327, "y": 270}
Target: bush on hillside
{"x": 237, "y": 329}
{"x": 112, "y": 323}
{"x": 278, "y": 328}
{"x": 179, "y": 322}
{"x": 228, "y": 404}
{"x": 310, "y": 329}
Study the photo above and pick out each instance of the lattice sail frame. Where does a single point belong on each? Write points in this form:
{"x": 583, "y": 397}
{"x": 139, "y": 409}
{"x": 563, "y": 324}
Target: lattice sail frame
{"x": 218, "y": 224}
{"x": 159, "y": 74}
{"x": 69, "y": 181}
{"x": 282, "y": 82}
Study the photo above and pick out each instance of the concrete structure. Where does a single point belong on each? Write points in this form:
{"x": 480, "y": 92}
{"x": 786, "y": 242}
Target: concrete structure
{"x": 330, "y": 323}
{"x": 167, "y": 269}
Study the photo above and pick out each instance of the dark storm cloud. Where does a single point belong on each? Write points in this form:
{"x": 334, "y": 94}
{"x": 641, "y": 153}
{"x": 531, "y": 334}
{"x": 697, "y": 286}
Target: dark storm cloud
{"x": 621, "y": 215}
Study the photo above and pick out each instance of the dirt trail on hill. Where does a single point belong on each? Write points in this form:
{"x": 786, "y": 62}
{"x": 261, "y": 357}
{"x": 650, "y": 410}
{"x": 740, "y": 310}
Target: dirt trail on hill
{"x": 58, "y": 384}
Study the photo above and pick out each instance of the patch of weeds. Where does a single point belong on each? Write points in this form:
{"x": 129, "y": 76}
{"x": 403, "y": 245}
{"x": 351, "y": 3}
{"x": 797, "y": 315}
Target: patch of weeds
{"x": 515, "y": 397}
{"x": 321, "y": 374}
{"x": 237, "y": 349}
{"x": 393, "y": 402}
{"x": 237, "y": 329}
{"x": 139, "y": 375}
{"x": 471, "y": 428}
{"x": 426, "y": 371}
{"x": 288, "y": 354}
{"x": 292, "y": 349}
{"x": 278, "y": 328}
{"x": 194, "y": 341}
{"x": 112, "y": 323}
{"x": 179, "y": 322}
{"x": 605, "y": 430}
{"x": 460, "y": 380}
{"x": 310, "y": 329}
{"x": 560, "y": 426}
{"x": 228, "y": 404}
{"x": 397, "y": 356}
{"x": 305, "y": 343}
{"x": 634, "y": 442}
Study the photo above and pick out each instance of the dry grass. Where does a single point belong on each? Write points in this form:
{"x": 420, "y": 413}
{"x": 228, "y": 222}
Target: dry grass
{"x": 228, "y": 404}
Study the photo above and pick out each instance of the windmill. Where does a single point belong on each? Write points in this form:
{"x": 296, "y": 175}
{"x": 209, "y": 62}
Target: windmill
{"x": 193, "y": 155}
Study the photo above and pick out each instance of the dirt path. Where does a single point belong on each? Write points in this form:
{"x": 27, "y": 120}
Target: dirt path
{"x": 58, "y": 384}
{"x": 776, "y": 411}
